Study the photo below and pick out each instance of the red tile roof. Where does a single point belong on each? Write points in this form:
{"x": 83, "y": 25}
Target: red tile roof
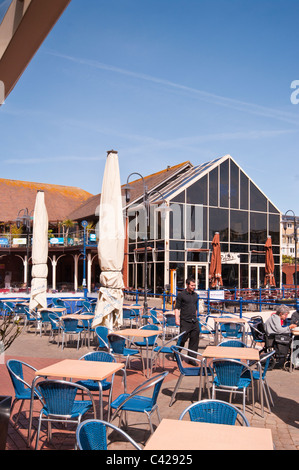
{"x": 17, "y": 195}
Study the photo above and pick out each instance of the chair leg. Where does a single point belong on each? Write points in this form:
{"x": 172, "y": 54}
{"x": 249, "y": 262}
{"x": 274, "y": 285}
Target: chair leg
{"x": 175, "y": 390}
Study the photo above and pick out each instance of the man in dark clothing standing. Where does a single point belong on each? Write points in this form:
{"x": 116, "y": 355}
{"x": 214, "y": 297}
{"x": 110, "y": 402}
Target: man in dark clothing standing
{"x": 186, "y": 315}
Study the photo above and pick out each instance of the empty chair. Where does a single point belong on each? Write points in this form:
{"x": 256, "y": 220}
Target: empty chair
{"x": 214, "y": 411}
{"x": 130, "y": 315}
{"x": 118, "y": 346}
{"x": 44, "y": 321}
{"x": 69, "y": 326}
{"x": 181, "y": 355}
{"x": 139, "y": 403}
{"x": 60, "y": 404}
{"x": 229, "y": 376}
{"x": 205, "y": 329}
{"x": 103, "y": 385}
{"x": 166, "y": 348}
{"x": 102, "y": 335}
{"x": 22, "y": 389}
{"x": 91, "y": 434}
{"x": 232, "y": 330}
{"x": 170, "y": 327}
{"x": 149, "y": 342}
{"x": 55, "y": 326}
{"x": 30, "y": 319}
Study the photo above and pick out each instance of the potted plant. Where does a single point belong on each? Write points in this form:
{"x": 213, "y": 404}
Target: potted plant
{"x": 9, "y": 331}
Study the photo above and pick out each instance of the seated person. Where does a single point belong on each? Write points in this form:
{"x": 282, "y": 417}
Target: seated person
{"x": 273, "y": 326}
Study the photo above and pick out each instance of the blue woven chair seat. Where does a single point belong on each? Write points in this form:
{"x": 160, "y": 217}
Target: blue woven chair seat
{"x": 130, "y": 352}
{"x": 93, "y": 385}
{"x": 136, "y": 403}
{"x": 242, "y": 383}
{"x": 79, "y": 408}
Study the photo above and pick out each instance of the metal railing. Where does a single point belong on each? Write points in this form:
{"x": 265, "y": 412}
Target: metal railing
{"x": 8, "y": 240}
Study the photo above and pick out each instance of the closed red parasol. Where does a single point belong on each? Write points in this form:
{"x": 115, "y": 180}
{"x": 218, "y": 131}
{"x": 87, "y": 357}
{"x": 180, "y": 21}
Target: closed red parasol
{"x": 215, "y": 266}
{"x": 269, "y": 264}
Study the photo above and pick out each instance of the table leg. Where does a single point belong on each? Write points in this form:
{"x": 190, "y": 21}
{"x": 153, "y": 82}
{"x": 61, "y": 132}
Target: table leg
{"x": 31, "y": 411}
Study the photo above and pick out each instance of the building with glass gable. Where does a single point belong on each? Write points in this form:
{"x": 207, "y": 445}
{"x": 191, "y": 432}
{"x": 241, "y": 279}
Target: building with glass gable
{"x": 217, "y": 196}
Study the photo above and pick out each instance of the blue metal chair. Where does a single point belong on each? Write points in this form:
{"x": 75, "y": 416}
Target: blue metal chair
{"x": 44, "y": 321}
{"x": 118, "y": 347}
{"x": 102, "y": 335}
{"x": 166, "y": 348}
{"x": 130, "y": 315}
{"x": 205, "y": 328}
{"x": 229, "y": 376}
{"x": 69, "y": 326}
{"x": 30, "y": 318}
{"x": 232, "y": 330}
{"x": 94, "y": 385}
{"x": 182, "y": 354}
{"x": 60, "y": 404}
{"x": 62, "y": 303}
{"x": 91, "y": 434}
{"x": 147, "y": 343}
{"x": 214, "y": 411}
{"x": 170, "y": 327}
{"x": 139, "y": 403}
{"x": 55, "y": 326}
{"x": 21, "y": 388}
{"x": 259, "y": 377}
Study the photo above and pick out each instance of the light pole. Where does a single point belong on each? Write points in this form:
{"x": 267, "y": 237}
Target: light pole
{"x": 295, "y": 239}
{"x": 84, "y": 224}
{"x": 24, "y": 218}
{"x": 164, "y": 207}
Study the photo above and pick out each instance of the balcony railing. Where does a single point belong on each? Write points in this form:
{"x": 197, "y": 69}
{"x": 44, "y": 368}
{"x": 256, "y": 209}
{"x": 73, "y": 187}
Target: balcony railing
{"x": 55, "y": 240}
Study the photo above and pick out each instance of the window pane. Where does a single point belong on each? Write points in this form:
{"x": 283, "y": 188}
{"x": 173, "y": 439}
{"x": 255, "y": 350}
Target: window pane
{"x": 258, "y": 228}
{"x": 224, "y": 184}
{"x": 195, "y": 228}
{"x": 213, "y": 187}
{"x": 197, "y": 192}
{"x": 238, "y": 226}
{"x": 243, "y": 191}
{"x": 274, "y": 228}
{"x": 258, "y": 202}
{"x": 218, "y": 222}
{"x": 234, "y": 186}
{"x": 176, "y": 221}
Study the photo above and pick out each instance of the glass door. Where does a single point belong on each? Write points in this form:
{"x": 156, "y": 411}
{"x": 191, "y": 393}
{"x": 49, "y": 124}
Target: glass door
{"x": 200, "y": 273}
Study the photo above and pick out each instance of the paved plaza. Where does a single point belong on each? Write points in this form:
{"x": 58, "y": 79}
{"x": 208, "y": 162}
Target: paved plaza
{"x": 39, "y": 352}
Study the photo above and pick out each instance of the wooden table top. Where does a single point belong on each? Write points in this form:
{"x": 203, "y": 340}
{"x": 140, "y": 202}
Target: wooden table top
{"x": 74, "y": 368}
{"x": 188, "y": 435}
{"x": 229, "y": 320}
{"x": 52, "y": 309}
{"x": 78, "y": 316}
{"x": 143, "y": 333}
{"x": 223, "y": 352}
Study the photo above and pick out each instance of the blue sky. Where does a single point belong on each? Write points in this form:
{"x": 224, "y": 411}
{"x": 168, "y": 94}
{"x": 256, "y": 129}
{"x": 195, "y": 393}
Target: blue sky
{"x": 161, "y": 82}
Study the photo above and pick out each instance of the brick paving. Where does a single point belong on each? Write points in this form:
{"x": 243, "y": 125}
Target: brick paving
{"x": 37, "y": 351}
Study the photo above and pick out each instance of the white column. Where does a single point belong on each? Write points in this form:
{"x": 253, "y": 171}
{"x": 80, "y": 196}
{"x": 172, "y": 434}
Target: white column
{"x": 89, "y": 263}
{"x": 76, "y": 257}
{"x": 54, "y": 267}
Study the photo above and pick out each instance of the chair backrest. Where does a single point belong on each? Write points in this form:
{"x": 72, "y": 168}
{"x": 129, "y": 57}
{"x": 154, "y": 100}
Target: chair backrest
{"x": 45, "y": 315}
{"x": 69, "y": 324}
{"x": 98, "y": 356}
{"x": 58, "y": 302}
{"x": 54, "y": 320}
{"x": 181, "y": 354}
{"x": 117, "y": 343}
{"x": 15, "y": 369}
{"x": 169, "y": 319}
{"x": 20, "y": 309}
{"x": 102, "y": 335}
{"x": 214, "y": 411}
{"x": 9, "y": 307}
{"x": 155, "y": 382}
{"x": 266, "y": 362}
{"x": 59, "y": 396}
{"x": 151, "y": 339}
{"x": 92, "y": 435}
{"x": 231, "y": 329}
{"x": 228, "y": 371}
{"x": 232, "y": 343}
{"x": 127, "y": 313}
{"x": 87, "y": 305}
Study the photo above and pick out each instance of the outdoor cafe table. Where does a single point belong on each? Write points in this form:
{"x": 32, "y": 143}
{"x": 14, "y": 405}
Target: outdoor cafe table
{"x": 223, "y": 320}
{"x": 139, "y": 333}
{"x": 82, "y": 317}
{"x": 76, "y": 369}
{"x": 242, "y": 354}
{"x": 190, "y": 435}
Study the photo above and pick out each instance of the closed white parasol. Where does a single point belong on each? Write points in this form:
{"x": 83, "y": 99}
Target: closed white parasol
{"x": 108, "y": 311}
{"x": 39, "y": 272}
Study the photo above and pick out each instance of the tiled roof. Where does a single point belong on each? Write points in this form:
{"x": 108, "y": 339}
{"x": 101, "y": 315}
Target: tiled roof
{"x": 17, "y": 195}
{"x": 89, "y": 207}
